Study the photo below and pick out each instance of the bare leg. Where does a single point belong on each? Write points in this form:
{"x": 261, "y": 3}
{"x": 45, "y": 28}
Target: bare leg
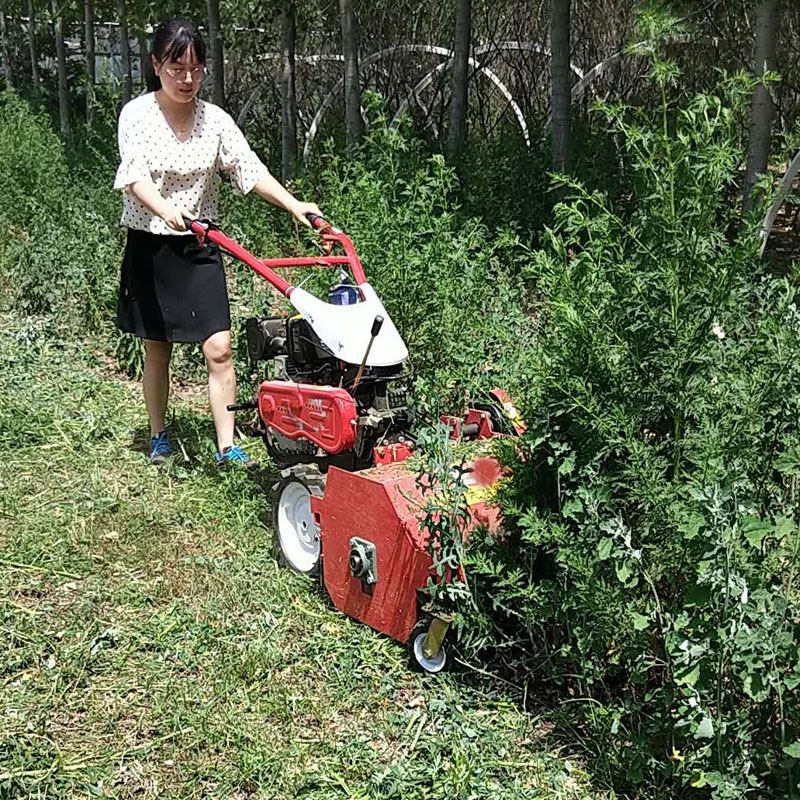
{"x": 221, "y": 385}
{"x": 156, "y": 382}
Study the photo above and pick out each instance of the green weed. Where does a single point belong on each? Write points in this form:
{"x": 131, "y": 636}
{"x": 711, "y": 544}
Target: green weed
{"x": 651, "y": 573}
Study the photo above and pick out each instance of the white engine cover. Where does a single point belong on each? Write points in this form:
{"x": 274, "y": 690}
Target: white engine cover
{"x": 345, "y": 330}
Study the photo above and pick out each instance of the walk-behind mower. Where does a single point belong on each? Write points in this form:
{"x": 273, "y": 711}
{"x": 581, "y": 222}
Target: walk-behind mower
{"x": 333, "y": 416}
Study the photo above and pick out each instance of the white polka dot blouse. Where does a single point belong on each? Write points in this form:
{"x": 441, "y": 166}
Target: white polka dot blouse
{"x": 185, "y": 173}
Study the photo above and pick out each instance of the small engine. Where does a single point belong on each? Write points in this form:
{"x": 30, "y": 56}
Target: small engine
{"x": 298, "y": 356}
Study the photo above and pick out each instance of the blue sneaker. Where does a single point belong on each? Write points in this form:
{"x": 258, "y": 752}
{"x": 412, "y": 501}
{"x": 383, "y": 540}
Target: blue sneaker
{"x": 236, "y": 456}
{"x": 160, "y": 448}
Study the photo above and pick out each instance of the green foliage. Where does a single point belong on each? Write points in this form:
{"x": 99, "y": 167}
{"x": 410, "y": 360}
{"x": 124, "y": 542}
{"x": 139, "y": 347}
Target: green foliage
{"x": 652, "y": 568}
{"x": 444, "y": 515}
{"x": 450, "y": 286}
{"x": 59, "y": 228}
{"x": 504, "y": 182}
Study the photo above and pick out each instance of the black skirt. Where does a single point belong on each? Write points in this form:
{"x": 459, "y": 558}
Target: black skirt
{"x": 171, "y": 289}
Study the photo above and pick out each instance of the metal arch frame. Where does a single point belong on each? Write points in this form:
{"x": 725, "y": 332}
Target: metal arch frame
{"x": 780, "y": 198}
{"x": 327, "y": 102}
{"x": 598, "y": 69}
{"x": 313, "y": 128}
{"x": 312, "y": 59}
{"x": 428, "y": 79}
{"x": 584, "y": 79}
{"x": 479, "y": 51}
{"x": 492, "y": 76}
{"x": 240, "y": 120}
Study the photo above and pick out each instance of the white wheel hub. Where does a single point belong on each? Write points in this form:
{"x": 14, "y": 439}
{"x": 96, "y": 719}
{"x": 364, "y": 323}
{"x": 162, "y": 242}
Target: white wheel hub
{"x": 297, "y": 532}
{"x": 428, "y": 664}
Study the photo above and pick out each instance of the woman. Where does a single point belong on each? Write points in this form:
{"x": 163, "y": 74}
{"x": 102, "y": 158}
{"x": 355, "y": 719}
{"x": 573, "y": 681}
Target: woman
{"x": 173, "y": 146}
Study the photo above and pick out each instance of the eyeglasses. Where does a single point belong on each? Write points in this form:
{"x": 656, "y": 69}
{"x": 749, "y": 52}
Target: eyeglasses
{"x": 176, "y": 71}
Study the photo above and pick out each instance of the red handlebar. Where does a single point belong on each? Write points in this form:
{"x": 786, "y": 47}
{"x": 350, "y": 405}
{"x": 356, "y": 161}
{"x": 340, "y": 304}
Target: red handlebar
{"x": 207, "y": 231}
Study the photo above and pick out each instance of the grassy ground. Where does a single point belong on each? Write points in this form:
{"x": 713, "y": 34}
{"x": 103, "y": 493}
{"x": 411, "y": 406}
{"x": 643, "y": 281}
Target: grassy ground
{"x": 151, "y": 646}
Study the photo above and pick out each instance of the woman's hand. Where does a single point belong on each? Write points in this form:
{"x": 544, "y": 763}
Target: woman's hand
{"x": 299, "y": 211}
{"x": 177, "y": 216}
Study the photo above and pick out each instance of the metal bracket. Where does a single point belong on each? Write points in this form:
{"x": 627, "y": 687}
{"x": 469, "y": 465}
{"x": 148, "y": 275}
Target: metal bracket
{"x": 434, "y": 637}
{"x": 363, "y": 561}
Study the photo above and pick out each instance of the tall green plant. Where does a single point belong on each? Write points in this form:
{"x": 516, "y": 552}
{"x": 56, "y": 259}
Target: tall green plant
{"x": 653, "y": 571}
{"x": 59, "y": 224}
{"x": 451, "y": 287}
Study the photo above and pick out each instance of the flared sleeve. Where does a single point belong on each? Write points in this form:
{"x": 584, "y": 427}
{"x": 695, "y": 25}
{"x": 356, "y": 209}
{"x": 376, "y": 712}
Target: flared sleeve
{"x": 236, "y": 158}
{"x": 133, "y": 161}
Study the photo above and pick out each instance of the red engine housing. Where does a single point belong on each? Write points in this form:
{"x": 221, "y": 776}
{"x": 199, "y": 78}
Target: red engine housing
{"x": 326, "y": 415}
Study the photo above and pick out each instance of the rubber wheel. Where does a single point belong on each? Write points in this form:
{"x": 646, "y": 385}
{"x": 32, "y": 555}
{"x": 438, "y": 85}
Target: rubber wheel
{"x": 297, "y": 536}
{"x": 417, "y": 659}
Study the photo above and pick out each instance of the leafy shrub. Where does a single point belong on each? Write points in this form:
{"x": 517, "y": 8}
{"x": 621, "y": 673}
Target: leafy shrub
{"x": 450, "y": 286}
{"x": 59, "y": 223}
{"x": 652, "y": 573}
{"x": 506, "y": 182}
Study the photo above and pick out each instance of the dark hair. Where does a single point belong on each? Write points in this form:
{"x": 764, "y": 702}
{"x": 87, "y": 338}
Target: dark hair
{"x": 171, "y": 39}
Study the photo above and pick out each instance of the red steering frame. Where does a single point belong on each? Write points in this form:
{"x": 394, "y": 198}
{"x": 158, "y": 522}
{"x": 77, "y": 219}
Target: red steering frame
{"x": 331, "y": 237}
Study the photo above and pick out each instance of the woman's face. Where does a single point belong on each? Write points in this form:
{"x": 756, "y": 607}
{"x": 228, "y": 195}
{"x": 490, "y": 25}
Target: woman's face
{"x": 181, "y": 78}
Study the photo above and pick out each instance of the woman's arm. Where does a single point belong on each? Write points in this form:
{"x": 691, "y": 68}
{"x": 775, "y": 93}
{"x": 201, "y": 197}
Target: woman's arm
{"x": 271, "y": 190}
{"x": 248, "y": 173}
{"x": 146, "y": 192}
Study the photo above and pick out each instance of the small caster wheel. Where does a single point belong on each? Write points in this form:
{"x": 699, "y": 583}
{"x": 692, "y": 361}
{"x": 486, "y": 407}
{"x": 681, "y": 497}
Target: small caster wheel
{"x": 421, "y": 662}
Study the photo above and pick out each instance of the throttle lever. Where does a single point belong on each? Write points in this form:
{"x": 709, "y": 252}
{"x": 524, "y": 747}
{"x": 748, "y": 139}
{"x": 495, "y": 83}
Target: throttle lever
{"x": 377, "y": 324}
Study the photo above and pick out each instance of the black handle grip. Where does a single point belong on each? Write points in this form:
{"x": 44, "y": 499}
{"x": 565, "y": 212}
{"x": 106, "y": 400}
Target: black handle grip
{"x": 377, "y": 324}
{"x": 242, "y": 406}
{"x": 317, "y": 221}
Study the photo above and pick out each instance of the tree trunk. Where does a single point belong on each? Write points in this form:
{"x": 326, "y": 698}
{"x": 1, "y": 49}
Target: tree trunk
{"x": 762, "y": 110}
{"x": 560, "y": 85}
{"x": 124, "y": 51}
{"x": 143, "y": 56}
{"x": 288, "y": 98}
{"x": 460, "y": 82}
{"x": 354, "y": 124}
{"x": 216, "y": 54}
{"x": 61, "y": 66}
{"x": 5, "y": 46}
{"x": 32, "y": 46}
{"x": 88, "y": 35}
